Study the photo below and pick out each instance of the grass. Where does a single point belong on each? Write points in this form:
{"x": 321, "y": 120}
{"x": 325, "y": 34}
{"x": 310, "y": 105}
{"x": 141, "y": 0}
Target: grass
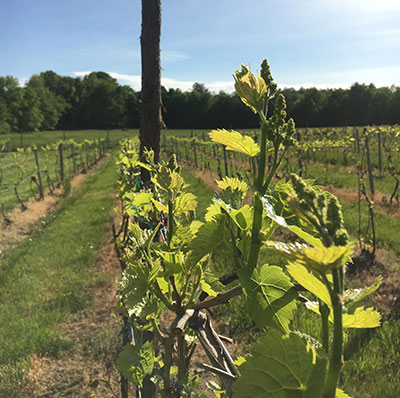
{"x": 44, "y": 278}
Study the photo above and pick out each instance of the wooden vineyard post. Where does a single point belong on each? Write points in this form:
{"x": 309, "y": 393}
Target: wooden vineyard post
{"x": 61, "y": 151}
{"x": 370, "y": 175}
{"x": 219, "y": 169}
{"x": 186, "y": 153}
{"x": 176, "y": 149}
{"x": 380, "y": 152}
{"x": 39, "y": 174}
{"x": 195, "y": 155}
{"x": 99, "y": 145}
{"x": 299, "y": 159}
{"x": 73, "y": 158}
{"x": 357, "y": 141}
{"x": 87, "y": 156}
{"x": 94, "y": 151}
{"x": 226, "y": 163}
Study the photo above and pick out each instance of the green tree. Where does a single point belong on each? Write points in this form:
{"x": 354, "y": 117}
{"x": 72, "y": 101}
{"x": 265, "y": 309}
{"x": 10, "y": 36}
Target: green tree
{"x": 51, "y": 105}
{"x": 30, "y": 117}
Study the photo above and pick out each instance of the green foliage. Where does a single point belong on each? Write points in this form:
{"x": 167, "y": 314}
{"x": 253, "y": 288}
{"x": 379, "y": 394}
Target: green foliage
{"x": 234, "y": 141}
{"x": 270, "y": 297}
{"x": 282, "y": 366}
{"x": 135, "y": 362}
{"x": 172, "y": 261}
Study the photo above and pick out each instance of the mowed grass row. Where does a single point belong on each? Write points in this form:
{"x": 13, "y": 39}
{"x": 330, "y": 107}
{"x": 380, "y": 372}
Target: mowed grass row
{"x": 43, "y": 280}
{"x": 372, "y": 356}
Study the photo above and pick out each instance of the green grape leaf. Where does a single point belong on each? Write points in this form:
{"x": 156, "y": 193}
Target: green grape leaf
{"x": 135, "y": 362}
{"x": 229, "y": 199}
{"x": 311, "y": 240}
{"x": 134, "y": 283}
{"x": 233, "y": 183}
{"x": 173, "y": 262}
{"x": 144, "y": 165}
{"x": 159, "y": 206}
{"x": 208, "y": 238}
{"x": 243, "y": 217}
{"x": 282, "y": 366}
{"x": 184, "y": 203}
{"x": 310, "y": 282}
{"x": 317, "y": 259}
{"x": 341, "y": 394}
{"x": 361, "y": 318}
{"x": 163, "y": 178}
{"x": 212, "y": 212}
{"x": 211, "y": 284}
{"x": 234, "y": 141}
{"x": 195, "y": 226}
{"x": 270, "y": 296}
{"x": 182, "y": 237}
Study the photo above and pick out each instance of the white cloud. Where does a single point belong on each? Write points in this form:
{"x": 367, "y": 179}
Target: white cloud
{"x": 380, "y": 76}
{"x": 171, "y": 56}
{"x": 134, "y": 81}
{"x": 22, "y": 81}
{"x": 81, "y": 73}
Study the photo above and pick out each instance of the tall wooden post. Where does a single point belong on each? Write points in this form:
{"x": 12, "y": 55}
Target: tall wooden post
{"x": 380, "y": 152}
{"x": 73, "y": 158}
{"x": 61, "y": 152}
{"x": 370, "y": 175}
{"x": 151, "y": 119}
{"x": 39, "y": 174}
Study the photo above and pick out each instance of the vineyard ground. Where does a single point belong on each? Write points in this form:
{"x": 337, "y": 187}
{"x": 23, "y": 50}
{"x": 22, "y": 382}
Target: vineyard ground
{"x": 56, "y": 292}
{"x": 73, "y": 354}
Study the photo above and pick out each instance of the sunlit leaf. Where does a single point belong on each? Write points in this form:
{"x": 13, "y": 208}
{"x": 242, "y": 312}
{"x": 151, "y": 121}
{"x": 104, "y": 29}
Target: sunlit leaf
{"x": 341, "y": 394}
{"x": 212, "y": 211}
{"x": 233, "y": 183}
{"x": 362, "y": 318}
{"x": 184, "y": 203}
{"x": 159, "y": 206}
{"x": 317, "y": 259}
{"x": 310, "y": 282}
{"x": 234, "y": 141}
{"x": 243, "y": 217}
{"x": 311, "y": 240}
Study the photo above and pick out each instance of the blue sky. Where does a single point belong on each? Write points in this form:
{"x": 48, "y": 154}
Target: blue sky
{"x": 322, "y": 43}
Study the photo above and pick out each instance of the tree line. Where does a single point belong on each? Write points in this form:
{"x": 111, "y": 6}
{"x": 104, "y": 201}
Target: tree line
{"x": 50, "y": 101}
